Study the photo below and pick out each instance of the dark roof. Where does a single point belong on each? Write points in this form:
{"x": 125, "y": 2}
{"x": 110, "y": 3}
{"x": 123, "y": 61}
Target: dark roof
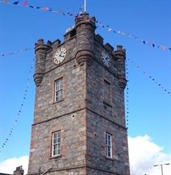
{"x": 5, "y": 174}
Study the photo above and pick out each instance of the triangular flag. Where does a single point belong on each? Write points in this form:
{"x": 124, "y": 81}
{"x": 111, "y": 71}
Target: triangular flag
{"x": 163, "y": 48}
{"x": 16, "y": 2}
{"x": 45, "y": 8}
{"x": 25, "y": 3}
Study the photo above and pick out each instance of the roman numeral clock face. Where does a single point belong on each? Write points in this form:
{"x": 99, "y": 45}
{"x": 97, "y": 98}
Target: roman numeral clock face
{"x": 59, "y": 55}
{"x": 105, "y": 58}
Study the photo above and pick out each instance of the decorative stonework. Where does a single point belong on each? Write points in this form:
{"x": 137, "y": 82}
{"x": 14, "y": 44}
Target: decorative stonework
{"x": 120, "y": 55}
{"x": 83, "y": 56}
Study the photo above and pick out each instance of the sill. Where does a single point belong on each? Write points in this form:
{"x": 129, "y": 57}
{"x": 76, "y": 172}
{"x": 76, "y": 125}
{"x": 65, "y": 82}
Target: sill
{"x": 55, "y": 157}
{"x": 112, "y": 158}
{"x": 58, "y": 101}
{"x": 109, "y": 158}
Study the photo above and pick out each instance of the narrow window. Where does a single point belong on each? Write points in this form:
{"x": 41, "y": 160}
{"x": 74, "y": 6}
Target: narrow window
{"x": 106, "y": 91}
{"x": 56, "y": 143}
{"x": 108, "y": 145}
{"x": 58, "y": 89}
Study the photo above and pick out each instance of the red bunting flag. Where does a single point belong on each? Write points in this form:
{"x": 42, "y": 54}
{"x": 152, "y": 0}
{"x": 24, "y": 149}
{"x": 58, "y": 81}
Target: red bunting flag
{"x": 45, "y": 8}
{"x": 25, "y": 3}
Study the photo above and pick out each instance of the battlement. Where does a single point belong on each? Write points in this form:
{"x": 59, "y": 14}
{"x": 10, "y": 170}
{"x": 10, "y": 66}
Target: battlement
{"x": 84, "y": 18}
{"x": 40, "y": 46}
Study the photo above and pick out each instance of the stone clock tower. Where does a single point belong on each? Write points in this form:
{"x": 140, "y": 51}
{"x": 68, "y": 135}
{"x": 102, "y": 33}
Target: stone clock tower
{"x": 79, "y": 117}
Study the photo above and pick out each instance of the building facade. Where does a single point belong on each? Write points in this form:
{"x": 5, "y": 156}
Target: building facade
{"x": 79, "y": 118}
{"x": 18, "y": 171}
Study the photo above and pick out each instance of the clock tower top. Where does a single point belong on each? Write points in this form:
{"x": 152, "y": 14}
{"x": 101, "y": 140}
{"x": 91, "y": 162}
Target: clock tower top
{"x": 82, "y": 36}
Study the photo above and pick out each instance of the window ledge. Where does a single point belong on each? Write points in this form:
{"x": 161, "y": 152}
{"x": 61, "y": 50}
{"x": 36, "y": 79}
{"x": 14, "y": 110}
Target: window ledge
{"x": 55, "y": 157}
{"x": 112, "y": 158}
{"x": 58, "y": 101}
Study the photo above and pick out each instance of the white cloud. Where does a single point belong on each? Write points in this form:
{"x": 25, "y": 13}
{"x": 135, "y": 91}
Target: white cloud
{"x": 9, "y": 165}
{"x": 144, "y": 153}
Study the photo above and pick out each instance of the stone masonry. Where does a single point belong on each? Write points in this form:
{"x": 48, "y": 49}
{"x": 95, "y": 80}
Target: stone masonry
{"x": 84, "y": 114}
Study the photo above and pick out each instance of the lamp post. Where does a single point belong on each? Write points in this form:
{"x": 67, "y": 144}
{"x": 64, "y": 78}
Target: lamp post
{"x": 161, "y": 165}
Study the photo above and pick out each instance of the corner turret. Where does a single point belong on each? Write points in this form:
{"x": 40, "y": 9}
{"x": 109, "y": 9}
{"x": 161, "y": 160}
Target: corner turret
{"x": 85, "y": 28}
{"x": 120, "y": 55}
{"x": 41, "y": 50}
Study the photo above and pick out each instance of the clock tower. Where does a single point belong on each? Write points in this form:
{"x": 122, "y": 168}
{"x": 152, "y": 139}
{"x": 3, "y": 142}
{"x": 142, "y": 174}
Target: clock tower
{"x": 79, "y": 116}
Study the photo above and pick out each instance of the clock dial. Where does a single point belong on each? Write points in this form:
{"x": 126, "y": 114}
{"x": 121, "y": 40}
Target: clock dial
{"x": 105, "y": 58}
{"x": 59, "y": 55}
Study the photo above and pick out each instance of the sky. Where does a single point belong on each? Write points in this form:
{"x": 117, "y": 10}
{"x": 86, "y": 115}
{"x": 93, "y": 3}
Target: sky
{"x": 135, "y": 24}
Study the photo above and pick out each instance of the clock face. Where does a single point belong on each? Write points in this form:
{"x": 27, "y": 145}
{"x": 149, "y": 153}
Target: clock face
{"x": 59, "y": 55}
{"x": 105, "y": 58}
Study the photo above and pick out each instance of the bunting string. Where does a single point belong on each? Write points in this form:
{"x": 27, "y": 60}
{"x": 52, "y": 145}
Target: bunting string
{"x": 154, "y": 45}
{"x": 127, "y": 96}
{"x": 44, "y": 8}
{"x": 18, "y": 51}
{"x": 150, "y": 77}
{"x": 107, "y": 27}
{"x": 20, "y": 108}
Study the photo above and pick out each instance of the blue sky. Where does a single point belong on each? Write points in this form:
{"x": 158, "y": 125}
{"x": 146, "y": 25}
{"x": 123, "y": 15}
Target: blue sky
{"x": 149, "y": 105}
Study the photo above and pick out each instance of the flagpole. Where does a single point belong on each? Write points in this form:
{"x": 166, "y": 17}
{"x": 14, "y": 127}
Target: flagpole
{"x": 85, "y": 4}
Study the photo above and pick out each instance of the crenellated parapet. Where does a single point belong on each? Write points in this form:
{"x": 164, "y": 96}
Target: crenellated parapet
{"x": 120, "y": 56}
{"x": 41, "y": 49}
{"x": 85, "y": 19}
